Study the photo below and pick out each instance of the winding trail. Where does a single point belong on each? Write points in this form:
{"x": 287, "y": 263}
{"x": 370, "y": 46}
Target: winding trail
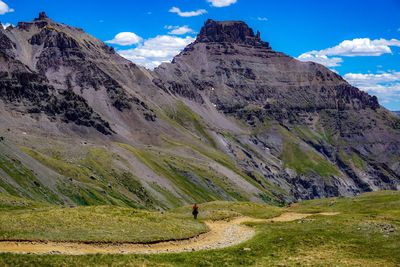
{"x": 222, "y": 234}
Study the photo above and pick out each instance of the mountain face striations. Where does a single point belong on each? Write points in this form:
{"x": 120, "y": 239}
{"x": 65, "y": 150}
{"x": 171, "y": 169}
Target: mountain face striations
{"x": 229, "y": 118}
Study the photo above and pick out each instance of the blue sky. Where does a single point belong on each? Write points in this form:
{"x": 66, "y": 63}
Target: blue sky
{"x": 358, "y": 39}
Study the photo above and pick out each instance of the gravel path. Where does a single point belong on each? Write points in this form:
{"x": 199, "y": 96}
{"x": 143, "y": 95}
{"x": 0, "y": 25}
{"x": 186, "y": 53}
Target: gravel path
{"x": 222, "y": 234}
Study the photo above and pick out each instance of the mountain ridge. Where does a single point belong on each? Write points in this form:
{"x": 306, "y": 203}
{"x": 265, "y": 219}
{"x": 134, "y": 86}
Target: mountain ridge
{"x": 229, "y": 118}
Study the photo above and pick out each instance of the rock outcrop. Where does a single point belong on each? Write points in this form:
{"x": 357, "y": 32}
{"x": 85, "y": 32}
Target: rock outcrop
{"x": 54, "y": 61}
{"x": 32, "y": 93}
{"x": 229, "y": 32}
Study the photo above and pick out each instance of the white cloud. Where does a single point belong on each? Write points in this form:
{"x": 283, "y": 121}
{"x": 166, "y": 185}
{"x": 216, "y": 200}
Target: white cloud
{"x": 178, "y": 11}
{"x": 262, "y": 18}
{"x": 4, "y": 8}
{"x": 324, "y": 60}
{"x": 178, "y": 30}
{"x": 351, "y": 48}
{"x": 157, "y": 50}
{"x": 125, "y": 38}
{"x": 386, "y": 85}
{"x": 221, "y": 3}
{"x": 361, "y": 47}
{"x": 6, "y": 25}
{"x": 365, "y": 79}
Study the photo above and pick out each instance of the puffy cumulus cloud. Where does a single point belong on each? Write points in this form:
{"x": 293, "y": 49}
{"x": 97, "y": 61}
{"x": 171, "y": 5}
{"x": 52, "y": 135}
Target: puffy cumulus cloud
{"x": 125, "y": 38}
{"x": 385, "y": 85}
{"x": 154, "y": 51}
{"x": 221, "y": 3}
{"x": 360, "y": 47}
{"x": 351, "y": 48}
{"x": 4, "y": 8}
{"x": 324, "y": 60}
{"x": 178, "y": 11}
{"x": 178, "y": 30}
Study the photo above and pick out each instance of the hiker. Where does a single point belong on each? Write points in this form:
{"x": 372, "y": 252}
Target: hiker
{"x": 195, "y": 211}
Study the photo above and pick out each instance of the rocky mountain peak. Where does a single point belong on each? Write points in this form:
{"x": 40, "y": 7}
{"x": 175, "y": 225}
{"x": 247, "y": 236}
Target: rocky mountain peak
{"x": 231, "y": 32}
{"x": 42, "y": 16}
{"x": 41, "y": 21}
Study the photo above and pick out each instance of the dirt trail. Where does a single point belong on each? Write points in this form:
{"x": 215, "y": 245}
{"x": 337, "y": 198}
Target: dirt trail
{"x": 221, "y": 234}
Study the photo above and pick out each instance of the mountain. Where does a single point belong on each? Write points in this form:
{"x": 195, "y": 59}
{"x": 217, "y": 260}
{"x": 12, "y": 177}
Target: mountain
{"x": 283, "y": 100}
{"x": 228, "y": 119}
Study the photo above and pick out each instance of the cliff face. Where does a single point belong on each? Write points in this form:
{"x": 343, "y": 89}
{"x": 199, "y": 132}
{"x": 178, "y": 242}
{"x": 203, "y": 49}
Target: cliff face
{"x": 244, "y": 78}
{"x": 230, "y": 32}
{"x": 228, "y": 55}
{"x": 229, "y": 118}
{"x": 60, "y": 65}
{"x": 31, "y": 92}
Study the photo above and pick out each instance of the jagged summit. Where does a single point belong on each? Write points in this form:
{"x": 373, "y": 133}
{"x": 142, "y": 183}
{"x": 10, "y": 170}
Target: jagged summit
{"x": 229, "y": 31}
{"x": 41, "y": 21}
{"x": 42, "y": 16}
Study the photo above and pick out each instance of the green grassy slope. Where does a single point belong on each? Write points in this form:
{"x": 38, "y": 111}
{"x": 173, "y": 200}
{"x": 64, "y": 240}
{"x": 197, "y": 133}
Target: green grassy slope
{"x": 26, "y": 184}
{"x": 97, "y": 175}
{"x": 365, "y": 233}
{"x": 194, "y": 178}
{"x": 95, "y": 180}
{"x": 27, "y": 220}
{"x": 305, "y": 161}
{"x": 13, "y": 203}
{"x": 218, "y": 210}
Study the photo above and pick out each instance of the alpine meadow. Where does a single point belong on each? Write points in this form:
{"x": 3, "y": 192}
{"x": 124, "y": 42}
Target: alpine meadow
{"x": 188, "y": 139}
